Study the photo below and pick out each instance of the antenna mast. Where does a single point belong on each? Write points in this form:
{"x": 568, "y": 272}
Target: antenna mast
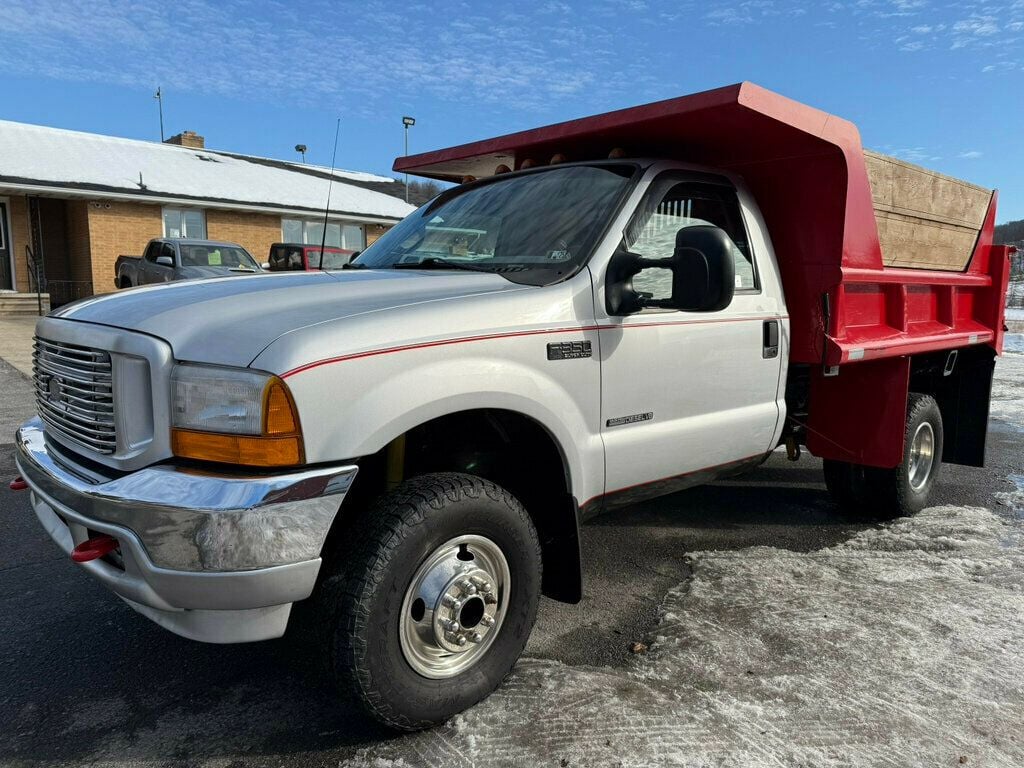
{"x": 330, "y": 183}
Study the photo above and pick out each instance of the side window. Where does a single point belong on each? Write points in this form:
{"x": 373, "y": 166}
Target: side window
{"x": 152, "y": 251}
{"x": 168, "y": 250}
{"x": 672, "y": 205}
{"x": 278, "y": 258}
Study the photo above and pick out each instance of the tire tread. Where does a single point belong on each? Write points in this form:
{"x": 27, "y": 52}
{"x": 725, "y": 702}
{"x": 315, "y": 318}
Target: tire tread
{"x": 377, "y": 535}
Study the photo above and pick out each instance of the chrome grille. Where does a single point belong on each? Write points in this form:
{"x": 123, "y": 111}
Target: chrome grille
{"x": 74, "y": 394}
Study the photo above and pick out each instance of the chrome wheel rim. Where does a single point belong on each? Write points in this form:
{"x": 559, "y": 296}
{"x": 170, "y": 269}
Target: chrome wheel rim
{"x": 454, "y": 607}
{"x": 922, "y": 456}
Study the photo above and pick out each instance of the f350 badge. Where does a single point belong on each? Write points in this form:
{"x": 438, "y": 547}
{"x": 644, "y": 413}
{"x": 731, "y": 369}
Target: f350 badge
{"x": 570, "y": 350}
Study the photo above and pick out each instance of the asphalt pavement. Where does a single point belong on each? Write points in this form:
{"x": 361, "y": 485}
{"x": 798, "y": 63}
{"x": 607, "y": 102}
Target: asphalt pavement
{"x": 87, "y": 680}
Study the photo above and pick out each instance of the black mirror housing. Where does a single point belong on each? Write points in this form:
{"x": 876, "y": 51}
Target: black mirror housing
{"x": 703, "y": 274}
{"x": 703, "y": 270}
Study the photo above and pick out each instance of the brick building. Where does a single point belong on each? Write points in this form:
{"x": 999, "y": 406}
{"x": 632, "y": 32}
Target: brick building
{"x": 71, "y": 203}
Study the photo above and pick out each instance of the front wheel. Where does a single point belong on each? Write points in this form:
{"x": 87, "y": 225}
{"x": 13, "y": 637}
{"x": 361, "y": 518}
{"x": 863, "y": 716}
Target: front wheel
{"x": 438, "y": 600}
{"x": 870, "y": 493}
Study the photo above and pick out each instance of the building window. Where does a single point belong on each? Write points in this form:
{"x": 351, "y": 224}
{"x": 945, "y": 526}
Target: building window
{"x": 185, "y": 222}
{"x": 349, "y": 236}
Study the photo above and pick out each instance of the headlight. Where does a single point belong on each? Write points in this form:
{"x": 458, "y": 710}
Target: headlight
{"x": 234, "y": 416}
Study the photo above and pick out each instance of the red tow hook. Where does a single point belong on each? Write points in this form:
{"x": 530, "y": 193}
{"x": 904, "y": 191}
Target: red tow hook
{"x": 94, "y": 548}
{"x": 18, "y": 484}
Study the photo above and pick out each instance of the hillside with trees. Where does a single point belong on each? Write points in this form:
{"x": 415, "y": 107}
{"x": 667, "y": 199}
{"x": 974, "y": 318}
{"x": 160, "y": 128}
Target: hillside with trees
{"x": 1010, "y": 232}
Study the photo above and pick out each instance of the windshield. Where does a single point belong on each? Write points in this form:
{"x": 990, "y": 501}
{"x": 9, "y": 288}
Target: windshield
{"x": 216, "y": 256}
{"x": 536, "y": 228}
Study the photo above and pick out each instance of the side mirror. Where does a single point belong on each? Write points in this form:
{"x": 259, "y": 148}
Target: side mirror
{"x": 265, "y": 265}
{"x": 703, "y": 274}
{"x": 165, "y": 261}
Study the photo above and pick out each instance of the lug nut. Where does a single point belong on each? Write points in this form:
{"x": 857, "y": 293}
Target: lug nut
{"x": 476, "y": 637}
{"x": 461, "y": 641}
{"x": 487, "y": 621}
{"x": 490, "y": 598}
{"x": 486, "y": 587}
{"x": 452, "y": 603}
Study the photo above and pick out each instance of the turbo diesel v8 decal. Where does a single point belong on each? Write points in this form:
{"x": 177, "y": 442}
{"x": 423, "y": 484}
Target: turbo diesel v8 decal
{"x": 618, "y": 422}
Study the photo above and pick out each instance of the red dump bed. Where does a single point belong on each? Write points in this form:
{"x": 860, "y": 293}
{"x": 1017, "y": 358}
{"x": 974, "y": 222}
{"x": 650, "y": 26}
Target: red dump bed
{"x": 807, "y": 170}
{"x": 810, "y": 176}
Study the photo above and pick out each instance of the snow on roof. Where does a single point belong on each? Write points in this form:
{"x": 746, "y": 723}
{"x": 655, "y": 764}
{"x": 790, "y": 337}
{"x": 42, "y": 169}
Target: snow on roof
{"x": 340, "y": 173}
{"x": 35, "y": 154}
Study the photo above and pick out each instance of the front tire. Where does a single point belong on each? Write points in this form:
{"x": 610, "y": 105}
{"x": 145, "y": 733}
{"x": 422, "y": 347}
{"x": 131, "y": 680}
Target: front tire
{"x": 437, "y": 601}
{"x": 870, "y": 493}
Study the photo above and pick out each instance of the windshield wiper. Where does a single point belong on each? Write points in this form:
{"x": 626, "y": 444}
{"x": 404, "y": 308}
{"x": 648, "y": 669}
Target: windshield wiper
{"x": 350, "y": 265}
{"x": 432, "y": 262}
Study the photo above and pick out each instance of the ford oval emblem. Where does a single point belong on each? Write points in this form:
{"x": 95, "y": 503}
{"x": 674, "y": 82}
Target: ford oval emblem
{"x": 53, "y": 390}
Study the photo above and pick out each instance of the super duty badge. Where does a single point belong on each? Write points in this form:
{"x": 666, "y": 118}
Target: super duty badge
{"x": 569, "y": 350}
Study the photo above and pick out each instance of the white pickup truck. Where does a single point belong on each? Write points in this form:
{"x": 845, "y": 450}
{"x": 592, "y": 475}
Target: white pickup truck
{"x": 603, "y": 311}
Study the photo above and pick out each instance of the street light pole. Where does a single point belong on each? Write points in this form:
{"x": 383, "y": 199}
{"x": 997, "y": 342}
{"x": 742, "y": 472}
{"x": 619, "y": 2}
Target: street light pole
{"x": 407, "y": 121}
{"x": 159, "y": 96}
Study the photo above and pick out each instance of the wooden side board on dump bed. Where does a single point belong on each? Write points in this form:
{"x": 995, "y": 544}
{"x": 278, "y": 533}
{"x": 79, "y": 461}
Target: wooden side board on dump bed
{"x": 925, "y": 219}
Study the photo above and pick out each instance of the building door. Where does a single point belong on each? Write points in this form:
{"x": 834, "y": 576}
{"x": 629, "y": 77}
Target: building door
{"x": 6, "y": 280}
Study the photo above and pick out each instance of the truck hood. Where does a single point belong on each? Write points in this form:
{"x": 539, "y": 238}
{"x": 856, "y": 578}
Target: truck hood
{"x": 189, "y": 273}
{"x": 228, "y": 321}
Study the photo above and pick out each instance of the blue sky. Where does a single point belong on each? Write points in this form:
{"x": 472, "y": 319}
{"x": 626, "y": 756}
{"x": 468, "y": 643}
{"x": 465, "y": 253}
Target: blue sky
{"x": 938, "y": 83}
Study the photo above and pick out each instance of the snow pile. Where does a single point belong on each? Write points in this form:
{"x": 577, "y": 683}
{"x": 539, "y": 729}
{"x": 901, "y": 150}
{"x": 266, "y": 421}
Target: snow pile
{"x": 903, "y": 646}
{"x": 1007, "y": 404}
{"x": 1014, "y": 342}
{"x": 1015, "y": 292}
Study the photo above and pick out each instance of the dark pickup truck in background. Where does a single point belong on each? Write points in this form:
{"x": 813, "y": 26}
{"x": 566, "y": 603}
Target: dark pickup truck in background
{"x": 167, "y": 259}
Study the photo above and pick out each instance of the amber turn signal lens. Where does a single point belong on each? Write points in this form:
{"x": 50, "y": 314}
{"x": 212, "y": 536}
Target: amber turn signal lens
{"x": 279, "y": 411}
{"x": 237, "y": 449}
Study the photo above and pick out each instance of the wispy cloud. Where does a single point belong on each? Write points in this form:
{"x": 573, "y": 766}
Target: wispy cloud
{"x": 970, "y": 154}
{"x": 913, "y": 154}
{"x": 349, "y": 53}
{"x": 352, "y": 56}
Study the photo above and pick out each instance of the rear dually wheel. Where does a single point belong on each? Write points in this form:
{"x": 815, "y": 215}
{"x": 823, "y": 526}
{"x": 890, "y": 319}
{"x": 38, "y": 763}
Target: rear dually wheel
{"x": 870, "y": 493}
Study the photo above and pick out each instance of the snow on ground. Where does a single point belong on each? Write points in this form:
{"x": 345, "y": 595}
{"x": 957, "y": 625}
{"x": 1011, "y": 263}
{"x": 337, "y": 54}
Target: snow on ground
{"x": 903, "y": 646}
{"x": 1008, "y": 385}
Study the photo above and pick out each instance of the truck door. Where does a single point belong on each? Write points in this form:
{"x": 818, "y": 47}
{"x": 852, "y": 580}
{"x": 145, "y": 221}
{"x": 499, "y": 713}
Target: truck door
{"x": 687, "y": 394}
{"x": 165, "y": 273}
{"x": 146, "y": 273}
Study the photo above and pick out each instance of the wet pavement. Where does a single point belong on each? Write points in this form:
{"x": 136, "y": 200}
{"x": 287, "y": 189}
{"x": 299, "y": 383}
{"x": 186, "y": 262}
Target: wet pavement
{"x": 87, "y": 680}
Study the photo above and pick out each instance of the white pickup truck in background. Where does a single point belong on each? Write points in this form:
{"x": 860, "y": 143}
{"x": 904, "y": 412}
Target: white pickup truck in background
{"x": 651, "y": 299}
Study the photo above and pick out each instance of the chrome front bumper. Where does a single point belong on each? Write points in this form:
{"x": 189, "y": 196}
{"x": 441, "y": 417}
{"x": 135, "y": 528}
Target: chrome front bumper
{"x": 218, "y": 558}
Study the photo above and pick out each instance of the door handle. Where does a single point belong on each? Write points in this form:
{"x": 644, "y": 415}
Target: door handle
{"x": 770, "y": 339}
